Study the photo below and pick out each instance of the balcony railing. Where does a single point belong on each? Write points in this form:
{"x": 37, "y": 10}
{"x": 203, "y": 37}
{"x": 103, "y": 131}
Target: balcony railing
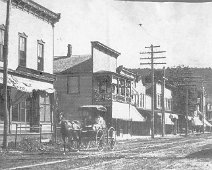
{"x": 101, "y": 97}
{"x": 121, "y": 98}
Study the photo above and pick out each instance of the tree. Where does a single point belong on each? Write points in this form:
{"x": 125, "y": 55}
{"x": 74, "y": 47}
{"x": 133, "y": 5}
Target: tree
{"x": 179, "y": 77}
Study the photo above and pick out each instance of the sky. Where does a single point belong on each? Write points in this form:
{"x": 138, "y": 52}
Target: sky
{"x": 183, "y": 30}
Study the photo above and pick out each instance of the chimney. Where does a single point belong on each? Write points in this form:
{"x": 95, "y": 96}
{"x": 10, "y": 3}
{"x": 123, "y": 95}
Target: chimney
{"x": 69, "y": 50}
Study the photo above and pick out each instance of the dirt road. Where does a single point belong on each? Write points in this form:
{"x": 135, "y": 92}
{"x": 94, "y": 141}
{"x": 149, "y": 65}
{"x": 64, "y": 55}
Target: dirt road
{"x": 193, "y": 152}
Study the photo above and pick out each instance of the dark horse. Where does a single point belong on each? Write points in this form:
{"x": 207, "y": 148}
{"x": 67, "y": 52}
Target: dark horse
{"x": 70, "y": 130}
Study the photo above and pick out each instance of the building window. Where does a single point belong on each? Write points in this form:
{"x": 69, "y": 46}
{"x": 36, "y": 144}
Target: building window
{"x": 158, "y": 100}
{"x": 122, "y": 87}
{"x": 114, "y": 85}
{"x": 104, "y": 85}
{"x": 2, "y": 28}
{"x": 114, "y": 88}
{"x": 142, "y": 100}
{"x": 73, "y": 85}
{"x": 45, "y": 108}
{"x": 128, "y": 87}
{"x": 168, "y": 104}
{"x": 40, "y": 54}
{"x": 22, "y": 49}
{"x": 21, "y": 111}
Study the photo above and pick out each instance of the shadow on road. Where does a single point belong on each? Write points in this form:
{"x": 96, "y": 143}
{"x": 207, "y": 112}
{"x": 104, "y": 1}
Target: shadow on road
{"x": 206, "y": 152}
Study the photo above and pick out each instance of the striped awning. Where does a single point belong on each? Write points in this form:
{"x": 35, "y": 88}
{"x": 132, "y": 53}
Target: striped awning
{"x": 27, "y": 85}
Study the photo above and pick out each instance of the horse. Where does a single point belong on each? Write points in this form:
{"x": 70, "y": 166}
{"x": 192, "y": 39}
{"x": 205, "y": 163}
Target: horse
{"x": 70, "y": 130}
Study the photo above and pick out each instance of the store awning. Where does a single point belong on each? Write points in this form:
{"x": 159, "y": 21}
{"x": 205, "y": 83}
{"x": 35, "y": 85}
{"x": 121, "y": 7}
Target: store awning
{"x": 168, "y": 119}
{"x": 190, "y": 118}
{"x": 135, "y": 115}
{"x": 173, "y": 116}
{"x": 206, "y": 123}
{"x": 134, "y": 91}
{"x": 126, "y": 111}
{"x": 27, "y": 85}
{"x": 120, "y": 111}
{"x": 197, "y": 121}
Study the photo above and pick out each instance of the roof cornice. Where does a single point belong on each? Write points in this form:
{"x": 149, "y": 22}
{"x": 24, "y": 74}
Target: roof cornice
{"x": 32, "y": 74}
{"x": 37, "y": 10}
{"x": 105, "y": 48}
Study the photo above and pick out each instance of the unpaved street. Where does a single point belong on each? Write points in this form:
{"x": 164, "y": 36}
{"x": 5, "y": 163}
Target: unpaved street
{"x": 193, "y": 152}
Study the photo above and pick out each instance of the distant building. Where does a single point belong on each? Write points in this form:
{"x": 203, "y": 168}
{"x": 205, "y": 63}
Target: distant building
{"x": 171, "y": 119}
{"x": 30, "y": 66}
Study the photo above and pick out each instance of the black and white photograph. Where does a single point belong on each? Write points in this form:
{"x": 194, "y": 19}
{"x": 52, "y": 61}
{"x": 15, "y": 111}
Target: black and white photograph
{"x": 106, "y": 84}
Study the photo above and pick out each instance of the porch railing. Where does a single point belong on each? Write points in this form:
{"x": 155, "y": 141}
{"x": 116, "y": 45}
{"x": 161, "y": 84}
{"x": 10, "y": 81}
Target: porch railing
{"x": 20, "y": 127}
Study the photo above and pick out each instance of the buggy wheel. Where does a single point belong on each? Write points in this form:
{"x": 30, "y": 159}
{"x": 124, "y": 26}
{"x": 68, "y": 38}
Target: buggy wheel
{"x": 86, "y": 145}
{"x": 111, "y": 138}
{"x": 100, "y": 140}
{"x": 74, "y": 145}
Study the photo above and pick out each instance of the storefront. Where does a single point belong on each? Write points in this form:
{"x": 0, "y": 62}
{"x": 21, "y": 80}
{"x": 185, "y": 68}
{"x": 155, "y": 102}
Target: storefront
{"x": 30, "y": 104}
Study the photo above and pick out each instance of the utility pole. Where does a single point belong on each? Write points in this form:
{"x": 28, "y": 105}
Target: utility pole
{"x": 5, "y": 54}
{"x": 186, "y": 129}
{"x": 152, "y": 63}
{"x": 186, "y": 107}
{"x": 203, "y": 107}
{"x": 163, "y": 103}
{"x": 187, "y": 97}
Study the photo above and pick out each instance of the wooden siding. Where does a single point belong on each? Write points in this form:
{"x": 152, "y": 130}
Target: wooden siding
{"x": 69, "y": 103}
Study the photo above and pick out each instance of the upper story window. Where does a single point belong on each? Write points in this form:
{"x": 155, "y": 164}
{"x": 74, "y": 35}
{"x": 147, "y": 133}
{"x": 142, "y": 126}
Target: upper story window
{"x": 115, "y": 85}
{"x": 122, "y": 87}
{"x": 128, "y": 87}
{"x": 73, "y": 85}
{"x": 2, "y": 29}
{"x": 22, "y": 49}
{"x": 104, "y": 85}
{"x": 158, "y": 100}
{"x": 168, "y": 104}
{"x": 142, "y": 100}
{"x": 40, "y": 55}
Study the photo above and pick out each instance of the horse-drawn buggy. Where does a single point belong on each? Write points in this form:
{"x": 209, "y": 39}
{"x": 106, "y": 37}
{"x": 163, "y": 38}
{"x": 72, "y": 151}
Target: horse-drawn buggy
{"x": 91, "y": 131}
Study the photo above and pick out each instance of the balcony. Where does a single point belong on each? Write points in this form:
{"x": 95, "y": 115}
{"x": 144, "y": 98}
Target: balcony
{"x": 102, "y": 97}
{"x": 120, "y": 98}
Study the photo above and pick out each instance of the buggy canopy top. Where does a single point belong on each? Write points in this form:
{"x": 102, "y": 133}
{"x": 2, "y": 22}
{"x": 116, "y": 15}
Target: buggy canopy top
{"x": 97, "y": 107}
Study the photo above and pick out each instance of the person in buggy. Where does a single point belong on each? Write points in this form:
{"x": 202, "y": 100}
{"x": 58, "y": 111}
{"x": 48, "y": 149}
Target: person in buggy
{"x": 99, "y": 123}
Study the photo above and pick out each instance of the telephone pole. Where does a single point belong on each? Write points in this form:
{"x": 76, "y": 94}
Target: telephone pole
{"x": 189, "y": 79}
{"x": 163, "y": 102}
{"x": 186, "y": 106}
{"x": 5, "y": 54}
{"x": 152, "y": 63}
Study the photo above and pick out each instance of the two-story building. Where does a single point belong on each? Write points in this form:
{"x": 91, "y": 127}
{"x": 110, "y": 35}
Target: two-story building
{"x": 30, "y": 65}
{"x": 96, "y": 79}
{"x": 142, "y": 102}
{"x": 170, "y": 119}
